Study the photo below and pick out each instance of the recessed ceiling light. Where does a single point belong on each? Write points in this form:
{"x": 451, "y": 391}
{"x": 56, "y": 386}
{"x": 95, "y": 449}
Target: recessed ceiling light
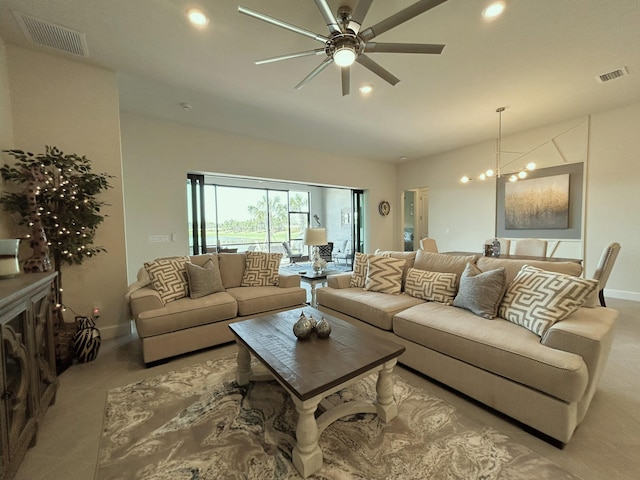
{"x": 494, "y": 10}
{"x": 197, "y": 17}
{"x": 366, "y": 89}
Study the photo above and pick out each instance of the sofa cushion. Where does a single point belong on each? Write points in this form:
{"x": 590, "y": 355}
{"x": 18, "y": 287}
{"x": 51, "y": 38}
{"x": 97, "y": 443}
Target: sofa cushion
{"x": 481, "y": 292}
{"x": 374, "y": 308}
{"x": 204, "y": 280}
{"x": 185, "y": 313}
{"x": 232, "y": 268}
{"x": 536, "y": 299}
{"x": 169, "y": 277}
{"x": 261, "y": 269}
{"x": 442, "y": 262}
{"x": 512, "y": 267}
{"x": 432, "y": 286}
{"x": 384, "y": 274}
{"x": 252, "y": 300}
{"x": 498, "y": 346}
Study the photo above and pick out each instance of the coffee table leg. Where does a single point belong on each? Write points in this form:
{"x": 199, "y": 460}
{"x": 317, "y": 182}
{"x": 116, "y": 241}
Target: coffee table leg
{"x": 307, "y": 455}
{"x": 386, "y": 406}
{"x": 243, "y": 371}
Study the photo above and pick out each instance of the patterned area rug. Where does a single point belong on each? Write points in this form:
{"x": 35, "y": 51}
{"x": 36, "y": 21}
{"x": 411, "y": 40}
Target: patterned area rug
{"x": 198, "y": 424}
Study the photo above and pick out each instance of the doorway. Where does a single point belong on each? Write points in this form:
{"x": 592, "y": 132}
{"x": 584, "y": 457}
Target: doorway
{"x": 415, "y": 218}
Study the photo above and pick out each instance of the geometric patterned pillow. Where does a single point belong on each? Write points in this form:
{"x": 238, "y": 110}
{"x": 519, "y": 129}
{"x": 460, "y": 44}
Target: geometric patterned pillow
{"x": 360, "y": 265}
{"x": 384, "y": 274}
{"x": 431, "y": 286}
{"x": 261, "y": 269}
{"x": 169, "y": 277}
{"x": 536, "y": 299}
{"x": 359, "y": 274}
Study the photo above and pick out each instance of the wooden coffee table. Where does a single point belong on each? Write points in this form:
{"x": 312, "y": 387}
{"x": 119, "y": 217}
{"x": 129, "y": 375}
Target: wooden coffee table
{"x": 312, "y": 369}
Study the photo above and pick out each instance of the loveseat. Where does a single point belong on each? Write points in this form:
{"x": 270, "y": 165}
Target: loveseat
{"x": 540, "y": 367}
{"x": 182, "y": 304}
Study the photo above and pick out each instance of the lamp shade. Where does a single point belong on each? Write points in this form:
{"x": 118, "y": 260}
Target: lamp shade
{"x": 315, "y": 236}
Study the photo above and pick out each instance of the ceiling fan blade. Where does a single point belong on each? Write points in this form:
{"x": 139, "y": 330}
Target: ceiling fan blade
{"x": 317, "y": 51}
{"x": 403, "y": 48}
{"x": 398, "y": 18}
{"x": 346, "y": 80}
{"x": 329, "y": 17}
{"x": 377, "y": 69}
{"x": 325, "y": 63}
{"x": 358, "y": 15}
{"x": 281, "y": 24}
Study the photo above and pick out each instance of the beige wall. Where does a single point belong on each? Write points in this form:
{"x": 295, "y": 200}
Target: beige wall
{"x": 157, "y": 156}
{"x": 75, "y": 107}
{"x": 462, "y": 217}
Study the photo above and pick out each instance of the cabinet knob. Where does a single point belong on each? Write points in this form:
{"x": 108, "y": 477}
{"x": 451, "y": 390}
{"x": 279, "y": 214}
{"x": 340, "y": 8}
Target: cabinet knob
{"x": 6, "y": 395}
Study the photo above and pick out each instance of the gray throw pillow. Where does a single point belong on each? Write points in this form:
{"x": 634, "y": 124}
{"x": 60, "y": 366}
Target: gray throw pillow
{"x": 204, "y": 280}
{"x": 481, "y": 292}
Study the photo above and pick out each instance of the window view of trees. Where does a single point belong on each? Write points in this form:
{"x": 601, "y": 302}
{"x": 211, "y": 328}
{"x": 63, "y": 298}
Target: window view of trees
{"x": 253, "y": 219}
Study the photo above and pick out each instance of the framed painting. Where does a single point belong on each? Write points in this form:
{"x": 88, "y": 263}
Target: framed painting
{"x": 548, "y": 204}
{"x": 537, "y": 203}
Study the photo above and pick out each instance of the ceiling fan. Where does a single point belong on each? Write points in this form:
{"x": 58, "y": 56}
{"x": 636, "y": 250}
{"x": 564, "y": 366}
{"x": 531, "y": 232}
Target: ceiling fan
{"x": 347, "y": 43}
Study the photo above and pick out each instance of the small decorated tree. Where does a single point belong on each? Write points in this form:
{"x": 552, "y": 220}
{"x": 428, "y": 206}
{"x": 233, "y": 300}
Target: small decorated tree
{"x": 68, "y": 211}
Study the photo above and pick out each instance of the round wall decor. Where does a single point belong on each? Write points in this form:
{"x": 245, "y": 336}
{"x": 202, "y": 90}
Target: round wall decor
{"x": 384, "y": 208}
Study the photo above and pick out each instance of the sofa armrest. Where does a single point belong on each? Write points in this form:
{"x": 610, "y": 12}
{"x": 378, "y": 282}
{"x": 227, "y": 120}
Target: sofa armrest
{"x": 288, "y": 280}
{"x": 144, "y": 299}
{"x": 339, "y": 280}
{"x": 588, "y": 332}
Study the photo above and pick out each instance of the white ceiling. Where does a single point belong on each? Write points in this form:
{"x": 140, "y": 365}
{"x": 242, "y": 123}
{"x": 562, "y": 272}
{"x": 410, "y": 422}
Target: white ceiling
{"x": 540, "y": 58}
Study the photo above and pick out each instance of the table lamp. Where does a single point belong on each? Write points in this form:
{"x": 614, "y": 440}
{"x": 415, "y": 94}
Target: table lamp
{"x": 312, "y": 238}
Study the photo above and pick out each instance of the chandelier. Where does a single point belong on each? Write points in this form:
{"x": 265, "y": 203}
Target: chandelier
{"x": 497, "y": 172}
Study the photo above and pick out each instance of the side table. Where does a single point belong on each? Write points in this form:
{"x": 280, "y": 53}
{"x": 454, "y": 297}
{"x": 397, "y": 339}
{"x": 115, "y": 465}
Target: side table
{"x": 314, "y": 279}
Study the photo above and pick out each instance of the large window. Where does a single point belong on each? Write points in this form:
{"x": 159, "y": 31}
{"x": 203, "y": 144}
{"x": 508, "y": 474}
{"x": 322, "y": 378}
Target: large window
{"x": 228, "y": 218}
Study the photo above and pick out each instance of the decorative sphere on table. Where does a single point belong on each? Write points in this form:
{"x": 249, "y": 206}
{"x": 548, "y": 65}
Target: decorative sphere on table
{"x": 323, "y": 328}
{"x": 303, "y": 327}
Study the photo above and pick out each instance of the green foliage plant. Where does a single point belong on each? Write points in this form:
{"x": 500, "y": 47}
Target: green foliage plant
{"x": 70, "y": 211}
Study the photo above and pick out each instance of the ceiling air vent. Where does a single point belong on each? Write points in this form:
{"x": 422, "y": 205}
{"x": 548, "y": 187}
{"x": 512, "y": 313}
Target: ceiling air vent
{"x": 52, "y": 35}
{"x": 606, "y": 77}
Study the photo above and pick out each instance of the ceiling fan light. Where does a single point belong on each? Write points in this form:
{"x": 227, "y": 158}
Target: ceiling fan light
{"x": 344, "y": 56}
{"x": 465, "y": 179}
{"x": 531, "y": 166}
{"x": 489, "y": 173}
{"x": 366, "y": 89}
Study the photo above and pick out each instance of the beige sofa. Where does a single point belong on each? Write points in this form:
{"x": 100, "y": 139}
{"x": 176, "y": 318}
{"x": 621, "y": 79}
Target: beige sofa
{"x": 544, "y": 382}
{"x": 187, "y": 324}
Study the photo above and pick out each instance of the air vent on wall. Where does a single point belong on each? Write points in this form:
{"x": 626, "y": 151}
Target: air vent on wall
{"x": 52, "y": 35}
{"x": 606, "y": 77}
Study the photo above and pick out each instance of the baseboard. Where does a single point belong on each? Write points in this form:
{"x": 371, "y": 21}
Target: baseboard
{"x": 622, "y": 295}
{"x": 114, "y": 331}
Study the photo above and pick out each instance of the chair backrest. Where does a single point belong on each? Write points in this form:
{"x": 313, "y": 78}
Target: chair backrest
{"x": 505, "y": 245}
{"x": 533, "y": 247}
{"x": 287, "y": 249}
{"x": 605, "y": 265}
{"x": 429, "y": 245}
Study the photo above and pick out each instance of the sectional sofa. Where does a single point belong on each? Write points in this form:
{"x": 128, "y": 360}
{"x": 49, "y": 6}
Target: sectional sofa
{"x": 183, "y": 304}
{"x": 541, "y": 366}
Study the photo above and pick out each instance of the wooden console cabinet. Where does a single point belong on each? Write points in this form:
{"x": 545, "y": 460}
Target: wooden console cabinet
{"x": 28, "y": 381}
